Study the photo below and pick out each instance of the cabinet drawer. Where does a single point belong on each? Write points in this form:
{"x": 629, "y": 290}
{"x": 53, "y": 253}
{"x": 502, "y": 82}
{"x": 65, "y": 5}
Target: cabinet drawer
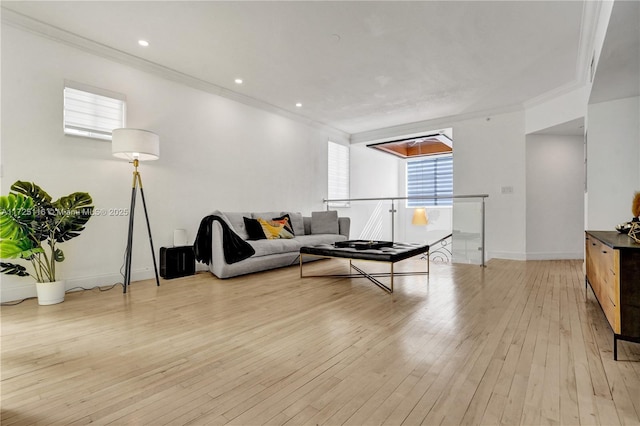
{"x": 607, "y": 264}
{"x": 611, "y": 311}
{"x": 602, "y": 268}
{"x": 602, "y": 264}
{"x": 589, "y": 249}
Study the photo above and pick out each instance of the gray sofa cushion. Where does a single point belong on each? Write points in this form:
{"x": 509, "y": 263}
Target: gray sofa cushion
{"x": 268, "y": 247}
{"x": 314, "y": 240}
{"x": 236, "y": 221}
{"x": 325, "y": 222}
{"x": 266, "y": 215}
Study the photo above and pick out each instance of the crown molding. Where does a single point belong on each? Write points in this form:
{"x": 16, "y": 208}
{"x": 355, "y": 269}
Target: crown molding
{"x": 553, "y": 94}
{"x": 588, "y": 28}
{"x": 34, "y": 26}
{"x": 591, "y": 11}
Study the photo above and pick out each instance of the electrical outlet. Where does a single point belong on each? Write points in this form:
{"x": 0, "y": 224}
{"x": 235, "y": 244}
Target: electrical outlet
{"x": 506, "y": 190}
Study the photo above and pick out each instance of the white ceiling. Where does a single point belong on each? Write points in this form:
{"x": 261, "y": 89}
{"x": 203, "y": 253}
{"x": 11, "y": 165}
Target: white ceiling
{"x": 618, "y": 73}
{"x": 355, "y": 66}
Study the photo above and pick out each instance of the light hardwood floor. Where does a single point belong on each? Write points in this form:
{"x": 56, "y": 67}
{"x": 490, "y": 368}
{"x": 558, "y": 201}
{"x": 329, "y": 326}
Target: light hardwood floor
{"x": 514, "y": 343}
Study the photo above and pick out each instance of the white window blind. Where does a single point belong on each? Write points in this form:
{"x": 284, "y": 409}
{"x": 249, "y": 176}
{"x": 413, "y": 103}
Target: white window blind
{"x": 430, "y": 176}
{"x": 338, "y": 174}
{"x": 92, "y": 112}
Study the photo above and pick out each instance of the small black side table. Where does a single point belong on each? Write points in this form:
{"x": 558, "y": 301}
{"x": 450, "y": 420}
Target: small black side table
{"x": 177, "y": 262}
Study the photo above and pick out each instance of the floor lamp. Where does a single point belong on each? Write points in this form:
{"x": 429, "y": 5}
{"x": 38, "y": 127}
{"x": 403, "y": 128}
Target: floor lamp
{"x": 136, "y": 145}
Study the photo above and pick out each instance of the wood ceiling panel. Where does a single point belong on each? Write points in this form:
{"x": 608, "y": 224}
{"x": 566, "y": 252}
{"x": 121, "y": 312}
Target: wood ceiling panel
{"x": 416, "y": 147}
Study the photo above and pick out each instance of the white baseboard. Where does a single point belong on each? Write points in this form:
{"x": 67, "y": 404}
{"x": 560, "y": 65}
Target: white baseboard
{"x": 509, "y": 255}
{"x": 555, "y": 256}
{"x": 536, "y": 256}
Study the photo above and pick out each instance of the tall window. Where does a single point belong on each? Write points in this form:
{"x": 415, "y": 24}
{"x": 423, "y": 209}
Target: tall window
{"x": 430, "y": 176}
{"x": 338, "y": 174}
{"x": 92, "y": 112}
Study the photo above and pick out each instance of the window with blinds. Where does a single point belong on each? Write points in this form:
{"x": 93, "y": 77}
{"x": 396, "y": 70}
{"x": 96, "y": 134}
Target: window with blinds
{"x": 92, "y": 112}
{"x": 338, "y": 174}
{"x": 430, "y": 176}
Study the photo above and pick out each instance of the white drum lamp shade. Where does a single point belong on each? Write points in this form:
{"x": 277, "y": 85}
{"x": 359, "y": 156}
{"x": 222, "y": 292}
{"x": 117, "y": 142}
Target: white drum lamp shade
{"x": 135, "y": 144}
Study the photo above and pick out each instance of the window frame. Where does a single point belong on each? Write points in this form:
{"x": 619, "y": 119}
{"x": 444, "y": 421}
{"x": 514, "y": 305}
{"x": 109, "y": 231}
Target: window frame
{"x": 113, "y": 108}
{"x": 338, "y": 185}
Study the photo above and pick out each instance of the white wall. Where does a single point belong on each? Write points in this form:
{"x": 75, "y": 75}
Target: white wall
{"x": 613, "y": 166}
{"x": 215, "y": 154}
{"x": 489, "y": 154}
{"x": 561, "y": 109}
{"x": 372, "y": 175}
{"x": 555, "y": 193}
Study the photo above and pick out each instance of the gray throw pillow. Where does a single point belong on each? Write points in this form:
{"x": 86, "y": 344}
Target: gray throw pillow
{"x": 296, "y": 222}
{"x": 325, "y": 222}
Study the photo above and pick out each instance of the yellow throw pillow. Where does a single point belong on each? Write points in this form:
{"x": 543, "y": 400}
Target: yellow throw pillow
{"x": 273, "y": 230}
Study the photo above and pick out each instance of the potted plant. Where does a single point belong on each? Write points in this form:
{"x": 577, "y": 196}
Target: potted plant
{"x": 32, "y": 226}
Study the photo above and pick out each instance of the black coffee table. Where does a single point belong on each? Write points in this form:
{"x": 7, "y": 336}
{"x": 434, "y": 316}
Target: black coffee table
{"x": 394, "y": 253}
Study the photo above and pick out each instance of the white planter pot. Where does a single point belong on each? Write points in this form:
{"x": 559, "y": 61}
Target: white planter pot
{"x": 50, "y": 293}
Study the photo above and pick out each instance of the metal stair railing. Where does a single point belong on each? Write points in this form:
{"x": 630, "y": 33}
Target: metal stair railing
{"x": 393, "y": 211}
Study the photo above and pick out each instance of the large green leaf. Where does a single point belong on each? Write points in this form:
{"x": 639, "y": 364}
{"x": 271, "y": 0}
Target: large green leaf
{"x": 58, "y": 255}
{"x": 72, "y": 213}
{"x": 18, "y": 249}
{"x": 17, "y": 213}
{"x": 33, "y": 191}
{"x": 13, "y": 269}
{"x": 44, "y": 213}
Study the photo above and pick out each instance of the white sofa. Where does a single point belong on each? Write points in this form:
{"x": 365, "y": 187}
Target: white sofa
{"x": 275, "y": 253}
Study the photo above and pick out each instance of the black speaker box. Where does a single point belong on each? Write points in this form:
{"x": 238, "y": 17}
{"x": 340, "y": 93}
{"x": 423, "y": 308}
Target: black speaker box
{"x": 177, "y": 262}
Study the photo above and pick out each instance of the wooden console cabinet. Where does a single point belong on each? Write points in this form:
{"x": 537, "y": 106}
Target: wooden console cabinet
{"x": 613, "y": 271}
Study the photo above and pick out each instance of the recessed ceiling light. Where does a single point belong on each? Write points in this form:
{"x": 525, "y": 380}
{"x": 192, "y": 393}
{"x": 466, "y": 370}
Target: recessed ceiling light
{"x": 238, "y": 81}
{"x": 143, "y": 43}
{"x": 299, "y": 105}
